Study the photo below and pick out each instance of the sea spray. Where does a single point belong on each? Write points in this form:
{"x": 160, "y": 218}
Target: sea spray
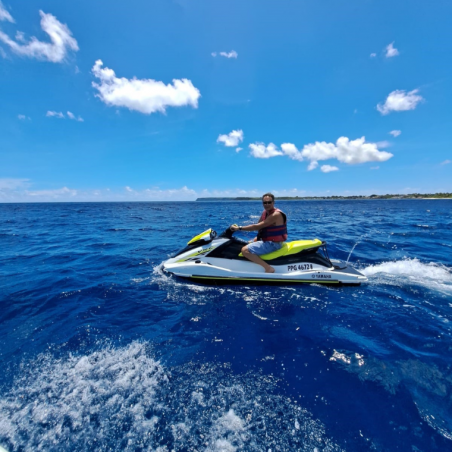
{"x": 412, "y": 268}
{"x": 122, "y": 399}
{"x": 433, "y": 275}
{"x": 361, "y": 239}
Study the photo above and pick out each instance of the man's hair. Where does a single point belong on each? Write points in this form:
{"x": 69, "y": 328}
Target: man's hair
{"x": 269, "y": 194}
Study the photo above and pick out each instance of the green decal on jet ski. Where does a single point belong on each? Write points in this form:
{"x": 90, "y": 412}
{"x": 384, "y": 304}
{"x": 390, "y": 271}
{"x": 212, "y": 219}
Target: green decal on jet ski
{"x": 197, "y": 253}
{"x": 289, "y": 248}
{"x": 203, "y": 235}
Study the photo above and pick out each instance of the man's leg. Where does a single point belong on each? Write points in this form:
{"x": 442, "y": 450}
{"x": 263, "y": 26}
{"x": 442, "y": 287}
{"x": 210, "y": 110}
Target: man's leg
{"x": 257, "y": 260}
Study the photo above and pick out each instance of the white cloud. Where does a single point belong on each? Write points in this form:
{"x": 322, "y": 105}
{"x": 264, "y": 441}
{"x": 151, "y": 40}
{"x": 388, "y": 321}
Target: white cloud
{"x": 328, "y": 168}
{"x": 55, "y": 51}
{"x": 291, "y": 151}
{"x": 373, "y": 55}
{"x": 255, "y": 193}
{"x": 4, "y": 14}
{"x": 391, "y": 51}
{"x": 231, "y": 54}
{"x": 395, "y": 133}
{"x": 17, "y": 190}
{"x": 383, "y": 144}
{"x": 347, "y": 151}
{"x": 239, "y": 149}
{"x": 53, "y": 194}
{"x": 446, "y": 162}
{"x": 156, "y": 194}
{"x": 146, "y": 96}
{"x": 318, "y": 151}
{"x": 20, "y": 36}
{"x": 374, "y": 167}
{"x": 72, "y": 116}
{"x": 23, "y": 117}
{"x": 400, "y": 100}
{"x": 13, "y": 184}
{"x": 232, "y": 139}
{"x": 260, "y": 151}
{"x": 358, "y": 151}
{"x": 56, "y": 114}
{"x": 344, "y": 150}
{"x": 60, "y": 115}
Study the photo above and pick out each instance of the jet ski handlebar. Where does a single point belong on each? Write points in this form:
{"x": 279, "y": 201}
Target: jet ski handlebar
{"x": 227, "y": 233}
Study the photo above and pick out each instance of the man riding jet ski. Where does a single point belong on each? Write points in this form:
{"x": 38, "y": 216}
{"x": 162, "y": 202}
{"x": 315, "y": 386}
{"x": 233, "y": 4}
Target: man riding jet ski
{"x": 272, "y": 227}
{"x": 215, "y": 260}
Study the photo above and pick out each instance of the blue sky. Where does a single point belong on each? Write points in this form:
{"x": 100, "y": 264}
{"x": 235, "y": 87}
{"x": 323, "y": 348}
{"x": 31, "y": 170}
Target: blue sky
{"x": 176, "y": 99}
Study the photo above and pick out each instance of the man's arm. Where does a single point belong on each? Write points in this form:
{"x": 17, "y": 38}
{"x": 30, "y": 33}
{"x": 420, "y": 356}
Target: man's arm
{"x": 269, "y": 221}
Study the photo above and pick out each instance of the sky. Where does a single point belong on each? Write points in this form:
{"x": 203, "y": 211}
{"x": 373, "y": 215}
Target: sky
{"x": 179, "y": 99}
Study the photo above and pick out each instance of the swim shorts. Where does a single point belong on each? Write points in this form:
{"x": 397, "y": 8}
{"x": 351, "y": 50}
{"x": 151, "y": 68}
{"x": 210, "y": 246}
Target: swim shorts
{"x": 260, "y": 247}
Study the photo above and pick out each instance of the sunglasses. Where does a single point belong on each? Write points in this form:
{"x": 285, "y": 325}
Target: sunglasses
{"x": 267, "y": 202}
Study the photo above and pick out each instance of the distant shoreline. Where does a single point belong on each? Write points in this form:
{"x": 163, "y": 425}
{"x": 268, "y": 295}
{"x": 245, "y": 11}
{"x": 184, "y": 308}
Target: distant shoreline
{"x": 337, "y": 198}
{"x": 426, "y": 197}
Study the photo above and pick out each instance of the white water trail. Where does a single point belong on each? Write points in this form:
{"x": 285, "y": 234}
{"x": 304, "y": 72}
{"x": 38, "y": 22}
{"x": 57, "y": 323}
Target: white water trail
{"x": 433, "y": 275}
{"x": 354, "y": 246}
{"x": 351, "y": 251}
{"x": 362, "y": 238}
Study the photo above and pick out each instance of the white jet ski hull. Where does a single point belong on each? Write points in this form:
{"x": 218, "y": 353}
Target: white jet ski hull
{"x": 217, "y": 262}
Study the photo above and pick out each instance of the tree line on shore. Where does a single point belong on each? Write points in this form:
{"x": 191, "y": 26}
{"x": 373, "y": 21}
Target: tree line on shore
{"x": 304, "y": 198}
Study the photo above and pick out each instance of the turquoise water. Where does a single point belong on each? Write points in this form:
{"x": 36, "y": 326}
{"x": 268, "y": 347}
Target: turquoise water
{"x": 101, "y": 351}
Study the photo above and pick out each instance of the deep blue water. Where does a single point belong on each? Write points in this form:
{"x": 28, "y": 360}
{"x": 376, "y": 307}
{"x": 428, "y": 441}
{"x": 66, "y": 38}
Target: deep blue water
{"x": 100, "y": 351}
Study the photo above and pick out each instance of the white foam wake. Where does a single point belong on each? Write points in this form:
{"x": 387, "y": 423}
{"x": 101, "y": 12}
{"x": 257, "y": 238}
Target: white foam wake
{"x": 411, "y": 267}
{"x": 77, "y": 399}
{"x": 121, "y": 399}
{"x": 429, "y": 274}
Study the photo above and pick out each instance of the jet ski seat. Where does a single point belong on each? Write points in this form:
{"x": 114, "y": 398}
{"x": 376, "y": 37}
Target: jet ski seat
{"x": 291, "y": 248}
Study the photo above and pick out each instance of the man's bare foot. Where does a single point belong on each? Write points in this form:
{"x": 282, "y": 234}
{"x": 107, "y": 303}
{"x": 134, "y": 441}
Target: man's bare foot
{"x": 270, "y": 270}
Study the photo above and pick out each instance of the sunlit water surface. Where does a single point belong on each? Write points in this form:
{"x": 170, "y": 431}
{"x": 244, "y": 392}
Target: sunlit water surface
{"x": 101, "y": 351}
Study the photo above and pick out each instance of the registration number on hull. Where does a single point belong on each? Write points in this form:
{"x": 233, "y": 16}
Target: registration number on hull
{"x": 298, "y": 267}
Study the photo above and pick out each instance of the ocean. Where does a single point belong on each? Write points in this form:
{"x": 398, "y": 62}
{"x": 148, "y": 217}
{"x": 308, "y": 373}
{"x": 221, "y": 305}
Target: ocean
{"x": 102, "y": 351}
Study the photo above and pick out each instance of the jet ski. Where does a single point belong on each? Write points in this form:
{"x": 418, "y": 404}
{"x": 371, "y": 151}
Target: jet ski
{"x": 212, "y": 259}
